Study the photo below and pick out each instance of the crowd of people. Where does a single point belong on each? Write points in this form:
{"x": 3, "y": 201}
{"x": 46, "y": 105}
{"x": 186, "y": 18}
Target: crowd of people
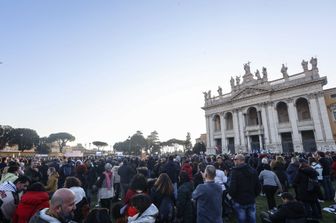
{"x": 195, "y": 188}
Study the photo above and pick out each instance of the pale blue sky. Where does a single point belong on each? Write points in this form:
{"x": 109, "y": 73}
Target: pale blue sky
{"x": 103, "y": 69}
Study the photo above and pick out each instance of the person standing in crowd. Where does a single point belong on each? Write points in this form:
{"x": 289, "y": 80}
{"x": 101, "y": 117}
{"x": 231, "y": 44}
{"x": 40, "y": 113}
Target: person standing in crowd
{"x": 116, "y": 182}
{"x": 80, "y": 173}
{"x": 9, "y": 197}
{"x": 147, "y": 212}
{"x": 262, "y": 164}
{"x": 186, "y": 167}
{"x": 62, "y": 207}
{"x": 44, "y": 172}
{"x": 91, "y": 178}
{"x": 183, "y": 203}
{"x": 163, "y": 197}
{"x": 126, "y": 172}
{"x": 209, "y": 198}
{"x": 270, "y": 185}
{"x": 52, "y": 181}
{"x": 279, "y": 168}
{"x": 328, "y": 189}
{"x": 198, "y": 177}
{"x": 172, "y": 170}
{"x": 35, "y": 199}
{"x": 11, "y": 175}
{"x": 82, "y": 205}
{"x": 138, "y": 185}
{"x": 220, "y": 177}
{"x": 292, "y": 170}
{"x": 244, "y": 188}
{"x": 105, "y": 185}
{"x": 66, "y": 170}
{"x": 317, "y": 167}
{"x": 33, "y": 172}
{"x": 308, "y": 190}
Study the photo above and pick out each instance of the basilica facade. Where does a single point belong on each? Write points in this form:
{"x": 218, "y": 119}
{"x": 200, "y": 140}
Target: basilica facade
{"x": 283, "y": 115}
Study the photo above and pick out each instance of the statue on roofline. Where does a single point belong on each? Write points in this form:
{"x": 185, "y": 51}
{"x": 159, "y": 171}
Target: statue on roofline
{"x": 304, "y": 65}
{"x": 220, "y": 91}
{"x": 313, "y": 62}
{"x": 284, "y": 71}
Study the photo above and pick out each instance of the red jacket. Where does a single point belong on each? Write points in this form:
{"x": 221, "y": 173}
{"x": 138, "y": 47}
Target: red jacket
{"x": 31, "y": 202}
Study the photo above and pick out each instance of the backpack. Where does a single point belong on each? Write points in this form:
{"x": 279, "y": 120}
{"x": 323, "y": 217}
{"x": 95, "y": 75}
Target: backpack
{"x": 166, "y": 210}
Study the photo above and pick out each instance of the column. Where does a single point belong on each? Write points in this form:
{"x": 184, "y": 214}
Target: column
{"x": 260, "y": 142}
{"x": 248, "y": 144}
{"x": 207, "y": 118}
{"x": 276, "y": 141}
{"x": 212, "y": 129}
{"x": 297, "y": 144}
{"x": 316, "y": 119}
{"x": 265, "y": 124}
{"x": 272, "y": 122}
{"x": 325, "y": 118}
{"x": 242, "y": 129}
{"x": 236, "y": 129}
{"x": 259, "y": 118}
{"x": 222, "y": 120}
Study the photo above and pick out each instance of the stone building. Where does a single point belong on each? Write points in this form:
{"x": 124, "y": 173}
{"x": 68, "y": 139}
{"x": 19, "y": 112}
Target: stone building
{"x": 330, "y": 98}
{"x": 284, "y": 115}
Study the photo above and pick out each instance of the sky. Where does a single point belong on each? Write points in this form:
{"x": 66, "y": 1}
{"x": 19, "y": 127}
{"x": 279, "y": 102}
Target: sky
{"x": 101, "y": 70}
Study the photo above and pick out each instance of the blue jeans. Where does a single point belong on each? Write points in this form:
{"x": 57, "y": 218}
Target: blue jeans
{"x": 245, "y": 213}
{"x": 328, "y": 189}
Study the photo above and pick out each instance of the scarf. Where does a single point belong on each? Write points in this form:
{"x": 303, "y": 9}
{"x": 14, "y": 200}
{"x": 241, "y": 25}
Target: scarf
{"x": 108, "y": 179}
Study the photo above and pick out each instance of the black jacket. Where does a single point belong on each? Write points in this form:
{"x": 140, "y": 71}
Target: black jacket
{"x": 172, "y": 169}
{"x": 301, "y": 184}
{"x": 290, "y": 210}
{"x": 244, "y": 184}
{"x": 183, "y": 202}
{"x": 126, "y": 172}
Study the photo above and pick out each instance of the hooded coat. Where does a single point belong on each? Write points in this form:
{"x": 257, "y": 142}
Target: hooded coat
{"x": 148, "y": 216}
{"x": 31, "y": 202}
{"x": 42, "y": 217}
{"x": 52, "y": 183}
{"x": 8, "y": 177}
{"x": 301, "y": 184}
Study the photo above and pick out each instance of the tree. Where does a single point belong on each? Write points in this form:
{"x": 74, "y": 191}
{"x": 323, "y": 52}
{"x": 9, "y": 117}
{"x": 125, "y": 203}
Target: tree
{"x": 24, "y": 138}
{"x": 188, "y": 144}
{"x": 99, "y": 144}
{"x": 4, "y": 135}
{"x": 43, "y": 146}
{"x": 199, "y": 147}
{"x": 61, "y": 139}
{"x": 136, "y": 143}
{"x": 153, "y": 143}
{"x": 171, "y": 142}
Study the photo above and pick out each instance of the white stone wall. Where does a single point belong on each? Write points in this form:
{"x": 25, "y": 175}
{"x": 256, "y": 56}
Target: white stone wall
{"x": 265, "y": 102}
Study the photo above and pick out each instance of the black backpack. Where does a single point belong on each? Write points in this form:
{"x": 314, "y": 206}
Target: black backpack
{"x": 166, "y": 210}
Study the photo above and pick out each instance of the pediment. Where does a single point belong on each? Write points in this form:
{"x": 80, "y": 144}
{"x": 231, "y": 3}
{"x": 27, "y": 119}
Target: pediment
{"x": 249, "y": 92}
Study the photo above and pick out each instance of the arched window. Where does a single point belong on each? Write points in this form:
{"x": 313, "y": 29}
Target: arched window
{"x": 302, "y": 108}
{"x": 282, "y": 112}
{"x": 252, "y": 116}
{"x": 217, "y": 123}
{"x": 229, "y": 121}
